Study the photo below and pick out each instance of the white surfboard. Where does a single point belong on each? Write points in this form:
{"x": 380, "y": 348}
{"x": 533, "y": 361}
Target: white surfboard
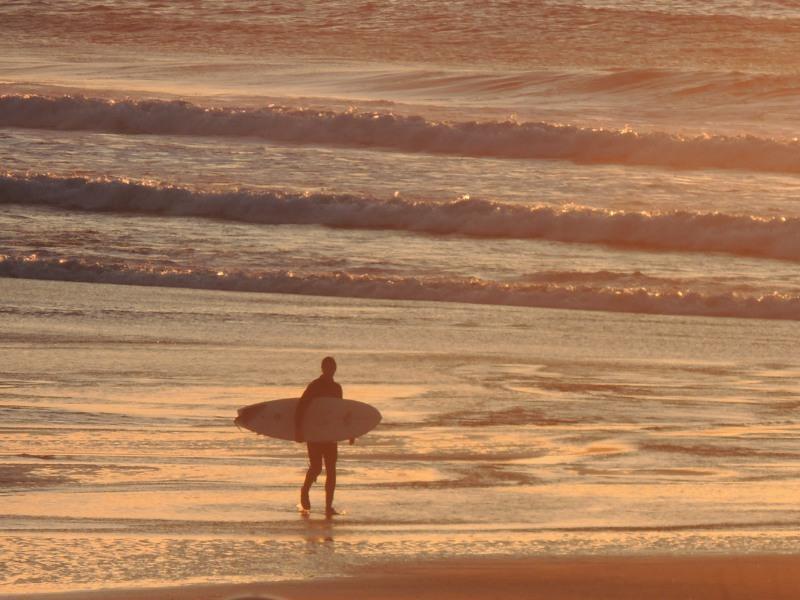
{"x": 325, "y": 420}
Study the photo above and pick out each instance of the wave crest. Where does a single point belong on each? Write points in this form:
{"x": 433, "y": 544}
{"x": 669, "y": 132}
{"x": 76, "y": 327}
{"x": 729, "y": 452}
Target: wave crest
{"x": 774, "y": 237}
{"x": 509, "y": 139}
{"x": 436, "y": 289}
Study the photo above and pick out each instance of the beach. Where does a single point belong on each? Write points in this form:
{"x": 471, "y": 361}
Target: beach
{"x": 557, "y": 579}
{"x": 554, "y": 243}
{"x": 126, "y": 469}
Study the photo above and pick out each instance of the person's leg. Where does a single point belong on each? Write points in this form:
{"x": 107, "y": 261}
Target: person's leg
{"x": 314, "y": 469}
{"x": 331, "y": 453}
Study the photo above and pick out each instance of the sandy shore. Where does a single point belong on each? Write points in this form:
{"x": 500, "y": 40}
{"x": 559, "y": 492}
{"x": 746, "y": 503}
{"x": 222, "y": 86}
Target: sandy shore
{"x": 702, "y": 578}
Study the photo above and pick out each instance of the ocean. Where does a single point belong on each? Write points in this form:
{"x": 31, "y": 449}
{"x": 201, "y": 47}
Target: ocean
{"x": 555, "y": 243}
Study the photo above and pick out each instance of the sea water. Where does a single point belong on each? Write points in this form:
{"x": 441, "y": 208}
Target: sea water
{"x": 555, "y": 243}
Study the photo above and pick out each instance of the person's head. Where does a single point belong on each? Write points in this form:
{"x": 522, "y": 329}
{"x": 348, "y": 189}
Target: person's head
{"x": 328, "y": 366}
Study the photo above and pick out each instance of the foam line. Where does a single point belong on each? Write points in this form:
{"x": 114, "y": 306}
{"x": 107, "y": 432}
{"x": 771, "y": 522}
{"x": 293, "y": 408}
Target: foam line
{"x": 528, "y": 140}
{"x": 437, "y": 289}
{"x": 744, "y": 235}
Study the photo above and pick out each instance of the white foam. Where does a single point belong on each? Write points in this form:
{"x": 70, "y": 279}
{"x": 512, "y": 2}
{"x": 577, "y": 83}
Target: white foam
{"x": 661, "y": 300}
{"x": 745, "y": 235}
{"x": 533, "y": 140}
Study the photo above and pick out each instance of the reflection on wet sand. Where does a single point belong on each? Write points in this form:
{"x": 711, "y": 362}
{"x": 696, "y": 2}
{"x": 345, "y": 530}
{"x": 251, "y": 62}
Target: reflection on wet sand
{"x": 319, "y": 530}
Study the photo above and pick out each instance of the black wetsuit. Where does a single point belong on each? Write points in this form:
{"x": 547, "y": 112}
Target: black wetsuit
{"x": 322, "y": 387}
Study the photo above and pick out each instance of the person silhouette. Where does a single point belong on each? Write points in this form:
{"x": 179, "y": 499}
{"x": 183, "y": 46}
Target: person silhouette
{"x": 322, "y": 387}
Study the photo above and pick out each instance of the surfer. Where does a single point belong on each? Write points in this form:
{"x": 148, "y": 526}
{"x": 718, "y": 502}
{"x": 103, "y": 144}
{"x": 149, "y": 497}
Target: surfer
{"x": 323, "y": 386}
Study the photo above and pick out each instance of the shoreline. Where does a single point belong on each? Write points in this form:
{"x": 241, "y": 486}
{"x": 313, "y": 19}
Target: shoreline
{"x": 553, "y": 578}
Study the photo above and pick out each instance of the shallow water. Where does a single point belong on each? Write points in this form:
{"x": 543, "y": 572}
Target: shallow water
{"x": 118, "y": 408}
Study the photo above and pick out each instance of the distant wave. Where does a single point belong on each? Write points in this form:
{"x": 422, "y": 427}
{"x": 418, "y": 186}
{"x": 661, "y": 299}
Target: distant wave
{"x": 700, "y": 88}
{"x": 534, "y": 140}
{"x": 775, "y": 237}
{"x": 437, "y": 289}
{"x": 662, "y": 87}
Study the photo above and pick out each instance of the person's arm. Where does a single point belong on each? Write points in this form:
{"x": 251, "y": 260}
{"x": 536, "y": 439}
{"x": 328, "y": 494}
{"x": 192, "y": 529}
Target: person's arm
{"x": 300, "y": 413}
{"x": 341, "y": 395}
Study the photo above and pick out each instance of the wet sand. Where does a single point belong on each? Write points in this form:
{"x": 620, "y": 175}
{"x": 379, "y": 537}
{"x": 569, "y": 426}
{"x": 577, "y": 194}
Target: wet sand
{"x": 707, "y": 578}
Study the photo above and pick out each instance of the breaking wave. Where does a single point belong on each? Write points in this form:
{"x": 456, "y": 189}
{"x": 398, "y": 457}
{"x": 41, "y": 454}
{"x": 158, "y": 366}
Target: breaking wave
{"x": 509, "y": 139}
{"x": 774, "y": 237}
{"x": 437, "y": 289}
